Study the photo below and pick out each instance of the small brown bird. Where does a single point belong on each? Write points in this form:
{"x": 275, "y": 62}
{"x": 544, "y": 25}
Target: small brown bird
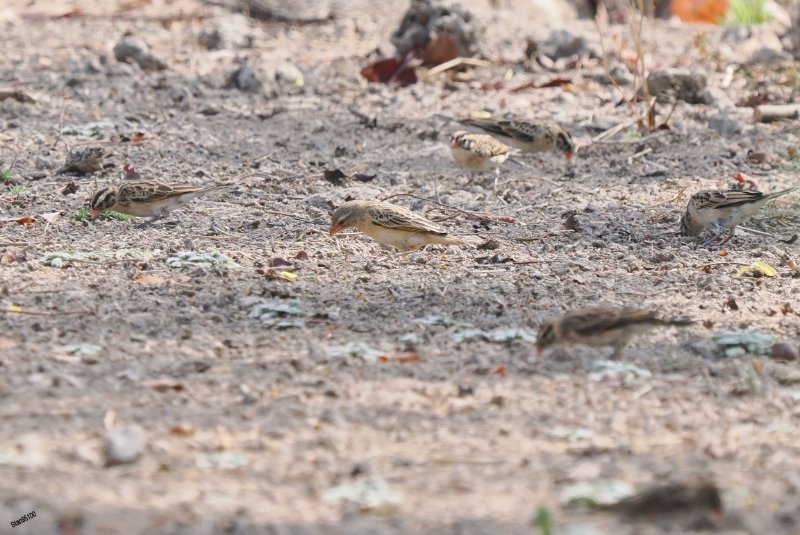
{"x": 391, "y": 225}
{"x": 83, "y": 161}
{"x": 146, "y": 198}
{"x": 670, "y": 498}
{"x": 478, "y": 152}
{"x": 601, "y": 326}
{"x": 722, "y": 210}
{"x": 528, "y": 136}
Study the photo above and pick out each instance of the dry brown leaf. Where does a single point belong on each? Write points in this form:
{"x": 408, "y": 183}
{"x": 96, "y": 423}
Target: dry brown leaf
{"x": 442, "y": 48}
{"x": 130, "y": 172}
{"x": 164, "y": 385}
{"x": 26, "y": 220}
{"x": 183, "y": 429}
{"x": 409, "y": 356}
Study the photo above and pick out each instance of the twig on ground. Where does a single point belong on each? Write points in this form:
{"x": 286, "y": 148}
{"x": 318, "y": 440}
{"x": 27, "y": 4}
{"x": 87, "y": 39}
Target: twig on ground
{"x": 39, "y": 313}
{"x": 639, "y": 154}
{"x": 455, "y": 62}
{"x": 613, "y": 130}
{"x": 634, "y": 111}
{"x": 676, "y": 198}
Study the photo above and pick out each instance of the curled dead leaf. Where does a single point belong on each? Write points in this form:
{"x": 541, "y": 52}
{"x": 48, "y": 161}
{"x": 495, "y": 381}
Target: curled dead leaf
{"x": 334, "y": 176}
{"x": 183, "y": 429}
{"x": 164, "y": 385}
{"x": 443, "y": 47}
{"x": 69, "y": 188}
{"x": 758, "y": 269}
{"x": 393, "y": 71}
{"x": 409, "y": 356}
{"x": 280, "y": 274}
{"x": 131, "y": 173}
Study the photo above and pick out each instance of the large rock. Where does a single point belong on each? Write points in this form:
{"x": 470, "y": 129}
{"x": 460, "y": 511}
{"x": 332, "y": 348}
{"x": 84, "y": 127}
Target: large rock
{"x": 680, "y": 84}
{"x": 130, "y": 50}
{"x": 303, "y": 11}
{"x": 442, "y": 23}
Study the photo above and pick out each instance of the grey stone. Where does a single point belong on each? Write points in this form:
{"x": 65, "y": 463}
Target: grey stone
{"x": 563, "y": 44}
{"x": 425, "y": 19}
{"x": 130, "y": 50}
{"x": 245, "y": 79}
{"x": 294, "y": 11}
{"x": 123, "y": 445}
{"x": 724, "y": 125}
{"x": 681, "y": 84}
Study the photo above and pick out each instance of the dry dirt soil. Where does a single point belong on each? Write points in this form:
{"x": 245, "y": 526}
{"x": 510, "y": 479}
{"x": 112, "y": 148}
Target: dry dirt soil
{"x": 377, "y": 393}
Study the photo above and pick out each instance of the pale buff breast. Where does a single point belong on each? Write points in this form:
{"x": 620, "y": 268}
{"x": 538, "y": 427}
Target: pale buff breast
{"x": 153, "y": 208}
{"x": 399, "y": 239}
{"x": 609, "y": 337}
{"x": 733, "y": 216}
{"x": 475, "y": 162}
{"x": 404, "y": 240}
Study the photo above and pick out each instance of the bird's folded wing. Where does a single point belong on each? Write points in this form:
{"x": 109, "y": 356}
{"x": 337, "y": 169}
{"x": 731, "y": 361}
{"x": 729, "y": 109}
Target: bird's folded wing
{"x": 405, "y": 221}
{"x": 595, "y": 321}
{"x": 488, "y": 147}
{"x": 727, "y": 199}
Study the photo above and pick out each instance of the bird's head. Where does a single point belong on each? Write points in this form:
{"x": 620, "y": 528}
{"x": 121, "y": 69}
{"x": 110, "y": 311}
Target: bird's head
{"x": 346, "y": 216}
{"x": 103, "y": 199}
{"x": 565, "y": 144}
{"x": 457, "y": 139}
{"x": 546, "y": 336}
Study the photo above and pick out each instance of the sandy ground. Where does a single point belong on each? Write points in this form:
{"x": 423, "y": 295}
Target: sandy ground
{"x": 375, "y": 378}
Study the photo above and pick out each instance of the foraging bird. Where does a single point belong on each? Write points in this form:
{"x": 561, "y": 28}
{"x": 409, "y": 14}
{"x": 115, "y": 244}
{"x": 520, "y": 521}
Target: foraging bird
{"x": 145, "y": 198}
{"x": 83, "y": 161}
{"x": 601, "y": 326}
{"x": 391, "y": 225}
{"x": 478, "y": 152}
{"x": 528, "y": 136}
{"x": 723, "y": 210}
{"x": 670, "y": 498}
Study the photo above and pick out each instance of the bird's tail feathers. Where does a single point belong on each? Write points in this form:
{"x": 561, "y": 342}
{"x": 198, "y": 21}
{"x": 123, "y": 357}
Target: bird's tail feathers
{"x": 782, "y": 192}
{"x": 446, "y": 117}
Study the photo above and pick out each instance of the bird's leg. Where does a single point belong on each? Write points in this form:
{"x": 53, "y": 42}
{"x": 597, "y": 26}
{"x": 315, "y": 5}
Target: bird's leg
{"x": 719, "y": 227}
{"x": 731, "y": 233}
{"x": 569, "y": 169}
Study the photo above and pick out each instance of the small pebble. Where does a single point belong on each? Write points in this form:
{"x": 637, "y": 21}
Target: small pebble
{"x": 785, "y": 351}
{"x": 123, "y": 445}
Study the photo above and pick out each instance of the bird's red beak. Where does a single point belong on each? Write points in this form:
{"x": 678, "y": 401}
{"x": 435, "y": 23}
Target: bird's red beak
{"x": 568, "y": 155}
{"x": 539, "y": 349}
{"x": 95, "y": 212}
{"x": 454, "y": 143}
{"x": 335, "y": 229}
